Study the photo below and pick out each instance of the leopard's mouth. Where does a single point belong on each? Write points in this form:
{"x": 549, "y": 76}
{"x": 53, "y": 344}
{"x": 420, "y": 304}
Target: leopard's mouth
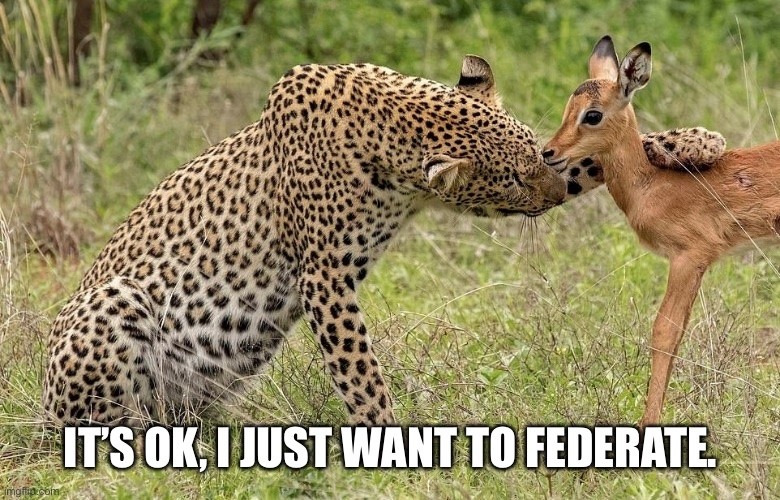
{"x": 525, "y": 213}
{"x": 493, "y": 212}
{"x": 505, "y": 211}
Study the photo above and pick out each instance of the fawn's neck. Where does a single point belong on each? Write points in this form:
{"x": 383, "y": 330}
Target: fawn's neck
{"x": 626, "y": 165}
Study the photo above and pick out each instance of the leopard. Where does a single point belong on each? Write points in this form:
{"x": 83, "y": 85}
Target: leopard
{"x": 195, "y": 292}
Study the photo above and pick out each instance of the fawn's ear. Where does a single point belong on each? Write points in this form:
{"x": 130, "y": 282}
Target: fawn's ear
{"x": 603, "y": 62}
{"x": 635, "y": 70}
{"x": 443, "y": 171}
{"x": 476, "y": 80}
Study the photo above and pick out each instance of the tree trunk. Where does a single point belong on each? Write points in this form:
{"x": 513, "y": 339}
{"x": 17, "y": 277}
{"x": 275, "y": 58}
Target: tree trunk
{"x": 205, "y": 17}
{"x": 79, "y": 43}
{"x": 249, "y": 12}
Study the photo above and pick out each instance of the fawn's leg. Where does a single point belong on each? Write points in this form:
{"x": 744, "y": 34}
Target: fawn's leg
{"x": 685, "y": 276}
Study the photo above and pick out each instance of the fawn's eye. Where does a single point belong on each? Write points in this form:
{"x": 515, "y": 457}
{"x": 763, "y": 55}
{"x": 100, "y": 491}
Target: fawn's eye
{"x": 592, "y": 117}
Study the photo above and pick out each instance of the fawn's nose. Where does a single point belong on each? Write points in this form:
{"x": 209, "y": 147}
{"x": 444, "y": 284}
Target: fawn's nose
{"x": 548, "y": 153}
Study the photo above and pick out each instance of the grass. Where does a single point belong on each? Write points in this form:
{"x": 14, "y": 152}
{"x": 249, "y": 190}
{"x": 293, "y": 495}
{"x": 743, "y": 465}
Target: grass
{"x": 475, "y": 321}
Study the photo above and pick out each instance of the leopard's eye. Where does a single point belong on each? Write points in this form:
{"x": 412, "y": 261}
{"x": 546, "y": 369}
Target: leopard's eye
{"x": 592, "y": 117}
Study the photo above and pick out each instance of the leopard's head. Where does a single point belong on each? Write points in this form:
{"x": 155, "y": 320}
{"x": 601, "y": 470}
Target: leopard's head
{"x": 480, "y": 159}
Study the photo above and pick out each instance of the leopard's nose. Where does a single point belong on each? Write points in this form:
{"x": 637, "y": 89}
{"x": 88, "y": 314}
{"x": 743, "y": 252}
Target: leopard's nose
{"x": 553, "y": 186}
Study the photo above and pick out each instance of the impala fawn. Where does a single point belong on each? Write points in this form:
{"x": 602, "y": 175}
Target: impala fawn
{"x": 691, "y": 218}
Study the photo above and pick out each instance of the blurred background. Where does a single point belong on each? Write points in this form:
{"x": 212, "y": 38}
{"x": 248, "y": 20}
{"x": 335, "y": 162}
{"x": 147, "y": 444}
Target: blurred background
{"x": 510, "y": 321}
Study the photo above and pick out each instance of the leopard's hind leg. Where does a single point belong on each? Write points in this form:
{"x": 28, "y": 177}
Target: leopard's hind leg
{"x": 101, "y": 358}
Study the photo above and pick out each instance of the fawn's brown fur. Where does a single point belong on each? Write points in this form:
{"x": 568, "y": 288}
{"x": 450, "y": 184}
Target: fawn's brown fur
{"x": 690, "y": 218}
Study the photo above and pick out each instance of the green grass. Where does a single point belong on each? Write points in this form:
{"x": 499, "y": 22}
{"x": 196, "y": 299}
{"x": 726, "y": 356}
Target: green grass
{"x": 474, "y": 321}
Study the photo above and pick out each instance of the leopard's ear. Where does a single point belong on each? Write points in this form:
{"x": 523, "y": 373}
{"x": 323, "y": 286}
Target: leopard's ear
{"x": 476, "y": 80}
{"x": 443, "y": 172}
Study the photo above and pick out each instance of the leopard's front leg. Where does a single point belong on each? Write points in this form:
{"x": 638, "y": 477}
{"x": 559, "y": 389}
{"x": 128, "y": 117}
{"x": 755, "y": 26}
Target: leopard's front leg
{"x": 330, "y": 302}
